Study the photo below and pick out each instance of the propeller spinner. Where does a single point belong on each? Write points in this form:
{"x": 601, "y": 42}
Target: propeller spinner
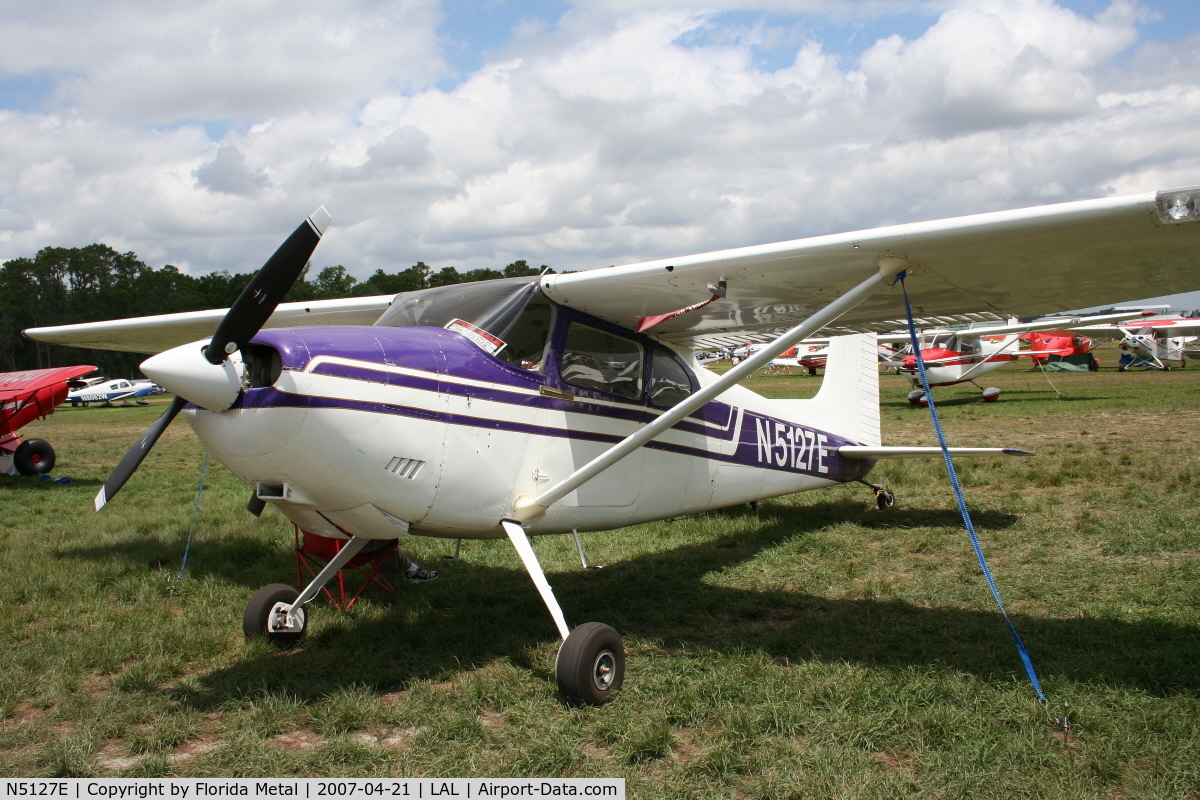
{"x": 210, "y": 374}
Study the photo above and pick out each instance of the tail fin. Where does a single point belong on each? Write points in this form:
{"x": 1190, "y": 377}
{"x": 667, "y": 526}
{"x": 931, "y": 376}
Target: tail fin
{"x": 848, "y": 401}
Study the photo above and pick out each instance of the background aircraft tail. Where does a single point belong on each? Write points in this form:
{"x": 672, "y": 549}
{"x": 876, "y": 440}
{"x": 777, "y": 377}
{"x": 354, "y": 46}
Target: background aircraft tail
{"x": 848, "y": 401}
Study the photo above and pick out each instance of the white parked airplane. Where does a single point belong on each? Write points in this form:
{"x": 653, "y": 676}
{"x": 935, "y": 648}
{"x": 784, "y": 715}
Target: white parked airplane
{"x": 499, "y": 409}
{"x": 106, "y": 390}
{"x": 1150, "y": 343}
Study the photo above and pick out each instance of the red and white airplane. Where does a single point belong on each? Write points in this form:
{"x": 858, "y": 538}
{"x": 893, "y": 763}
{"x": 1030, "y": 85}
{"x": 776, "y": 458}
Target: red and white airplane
{"x": 24, "y": 397}
{"x": 533, "y": 406}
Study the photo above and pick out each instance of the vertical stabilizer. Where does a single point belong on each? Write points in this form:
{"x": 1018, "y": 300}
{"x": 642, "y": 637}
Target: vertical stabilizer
{"x": 848, "y": 401}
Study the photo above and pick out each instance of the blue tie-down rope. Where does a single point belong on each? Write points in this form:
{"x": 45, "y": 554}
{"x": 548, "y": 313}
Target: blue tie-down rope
{"x": 195, "y": 513}
{"x": 962, "y": 503}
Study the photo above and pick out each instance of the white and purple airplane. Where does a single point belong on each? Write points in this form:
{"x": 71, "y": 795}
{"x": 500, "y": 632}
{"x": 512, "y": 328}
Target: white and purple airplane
{"x": 531, "y": 406}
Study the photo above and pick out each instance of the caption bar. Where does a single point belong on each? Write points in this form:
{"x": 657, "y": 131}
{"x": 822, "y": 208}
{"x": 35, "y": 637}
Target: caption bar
{"x": 314, "y": 788}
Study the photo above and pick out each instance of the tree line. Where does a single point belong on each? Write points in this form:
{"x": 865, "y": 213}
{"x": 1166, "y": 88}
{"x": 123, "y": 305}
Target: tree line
{"x": 68, "y": 285}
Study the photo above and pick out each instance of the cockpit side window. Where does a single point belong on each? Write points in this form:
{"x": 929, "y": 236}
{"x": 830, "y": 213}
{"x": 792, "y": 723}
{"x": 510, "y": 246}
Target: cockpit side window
{"x": 528, "y": 336}
{"x": 669, "y": 381}
{"x": 594, "y": 359}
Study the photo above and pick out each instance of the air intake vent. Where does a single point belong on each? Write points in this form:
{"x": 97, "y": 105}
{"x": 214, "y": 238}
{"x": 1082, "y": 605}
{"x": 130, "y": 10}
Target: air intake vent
{"x": 404, "y": 467}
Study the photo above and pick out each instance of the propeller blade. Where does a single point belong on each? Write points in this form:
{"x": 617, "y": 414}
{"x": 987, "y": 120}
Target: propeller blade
{"x": 129, "y": 463}
{"x": 257, "y": 301}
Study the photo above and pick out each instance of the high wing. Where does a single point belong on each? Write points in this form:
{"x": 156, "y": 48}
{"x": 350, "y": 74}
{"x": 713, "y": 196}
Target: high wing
{"x": 19, "y": 384}
{"x": 1055, "y": 323}
{"x": 1021, "y": 263}
{"x": 1050, "y": 324}
{"x": 158, "y": 333}
{"x": 27, "y": 395}
{"x": 1173, "y": 327}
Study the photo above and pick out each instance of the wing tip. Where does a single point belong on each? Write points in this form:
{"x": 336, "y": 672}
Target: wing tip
{"x": 101, "y": 498}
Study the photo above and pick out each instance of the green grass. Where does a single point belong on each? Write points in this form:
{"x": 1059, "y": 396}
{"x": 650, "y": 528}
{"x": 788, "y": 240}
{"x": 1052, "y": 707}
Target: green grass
{"x": 814, "y": 648}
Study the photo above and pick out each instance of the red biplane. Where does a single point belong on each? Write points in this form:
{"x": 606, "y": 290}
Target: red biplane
{"x": 24, "y": 397}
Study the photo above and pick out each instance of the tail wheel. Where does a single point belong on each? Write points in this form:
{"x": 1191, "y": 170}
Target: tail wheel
{"x": 263, "y": 615}
{"x": 34, "y": 457}
{"x": 884, "y": 499}
{"x": 591, "y": 664}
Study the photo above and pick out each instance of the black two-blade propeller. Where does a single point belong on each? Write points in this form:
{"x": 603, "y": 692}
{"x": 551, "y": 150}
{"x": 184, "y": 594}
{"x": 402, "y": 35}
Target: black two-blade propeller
{"x": 244, "y": 319}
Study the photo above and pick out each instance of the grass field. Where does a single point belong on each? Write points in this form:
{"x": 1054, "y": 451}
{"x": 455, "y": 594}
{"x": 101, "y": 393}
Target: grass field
{"x": 816, "y": 647}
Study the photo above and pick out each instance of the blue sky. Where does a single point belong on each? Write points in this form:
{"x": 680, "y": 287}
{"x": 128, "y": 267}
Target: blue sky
{"x": 575, "y": 134}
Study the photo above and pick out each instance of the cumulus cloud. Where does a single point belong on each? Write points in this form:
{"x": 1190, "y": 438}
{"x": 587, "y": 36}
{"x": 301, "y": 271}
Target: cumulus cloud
{"x": 228, "y": 173}
{"x": 156, "y": 62}
{"x": 618, "y": 133}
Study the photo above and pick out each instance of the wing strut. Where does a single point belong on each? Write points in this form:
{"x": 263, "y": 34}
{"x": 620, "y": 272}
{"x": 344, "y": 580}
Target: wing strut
{"x": 527, "y": 508}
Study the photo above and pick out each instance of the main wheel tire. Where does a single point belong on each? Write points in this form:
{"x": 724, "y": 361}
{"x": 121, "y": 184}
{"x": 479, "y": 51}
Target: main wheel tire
{"x": 258, "y": 612}
{"x": 34, "y": 457}
{"x": 591, "y": 664}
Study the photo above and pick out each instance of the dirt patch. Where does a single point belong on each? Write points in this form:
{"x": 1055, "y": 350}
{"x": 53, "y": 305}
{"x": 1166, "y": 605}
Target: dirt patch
{"x": 298, "y": 740}
{"x": 114, "y": 757}
{"x": 895, "y": 762}
{"x": 189, "y": 750}
{"x": 491, "y": 721}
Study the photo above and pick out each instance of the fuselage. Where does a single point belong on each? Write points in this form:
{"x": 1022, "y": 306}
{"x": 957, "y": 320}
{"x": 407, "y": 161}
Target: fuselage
{"x": 375, "y": 431}
{"x": 105, "y": 390}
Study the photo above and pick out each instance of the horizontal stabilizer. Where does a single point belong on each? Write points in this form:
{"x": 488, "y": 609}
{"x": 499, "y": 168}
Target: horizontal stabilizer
{"x": 854, "y": 451}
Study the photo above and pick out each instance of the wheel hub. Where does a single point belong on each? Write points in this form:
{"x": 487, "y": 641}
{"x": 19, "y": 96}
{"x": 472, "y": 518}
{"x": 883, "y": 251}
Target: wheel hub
{"x": 604, "y": 670}
{"x": 285, "y": 619}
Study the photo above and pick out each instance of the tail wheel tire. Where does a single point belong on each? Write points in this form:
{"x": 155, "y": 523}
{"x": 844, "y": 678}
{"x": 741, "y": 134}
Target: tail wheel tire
{"x": 591, "y": 664}
{"x": 257, "y": 621}
{"x": 34, "y": 457}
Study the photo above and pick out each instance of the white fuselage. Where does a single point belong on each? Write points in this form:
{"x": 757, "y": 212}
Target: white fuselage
{"x": 442, "y": 445}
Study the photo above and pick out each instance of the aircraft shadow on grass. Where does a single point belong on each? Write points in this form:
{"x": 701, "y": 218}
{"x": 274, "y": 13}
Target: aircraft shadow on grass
{"x": 476, "y": 614}
{"x": 29, "y": 483}
{"x": 1010, "y": 397}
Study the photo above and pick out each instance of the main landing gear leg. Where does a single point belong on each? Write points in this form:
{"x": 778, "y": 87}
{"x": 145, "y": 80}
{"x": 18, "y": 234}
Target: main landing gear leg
{"x": 277, "y": 612}
{"x": 591, "y": 661}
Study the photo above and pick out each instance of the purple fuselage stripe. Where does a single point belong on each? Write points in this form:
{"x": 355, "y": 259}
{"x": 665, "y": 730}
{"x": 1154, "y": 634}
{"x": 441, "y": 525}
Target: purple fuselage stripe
{"x": 749, "y": 449}
{"x": 629, "y": 413}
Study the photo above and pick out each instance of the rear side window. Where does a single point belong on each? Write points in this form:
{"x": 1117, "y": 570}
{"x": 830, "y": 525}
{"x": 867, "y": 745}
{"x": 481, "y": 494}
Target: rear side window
{"x": 594, "y": 359}
{"x": 669, "y": 381}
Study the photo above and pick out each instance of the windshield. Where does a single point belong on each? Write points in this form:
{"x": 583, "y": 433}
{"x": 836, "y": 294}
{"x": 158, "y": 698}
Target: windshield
{"x": 508, "y": 318}
{"x": 490, "y": 305}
